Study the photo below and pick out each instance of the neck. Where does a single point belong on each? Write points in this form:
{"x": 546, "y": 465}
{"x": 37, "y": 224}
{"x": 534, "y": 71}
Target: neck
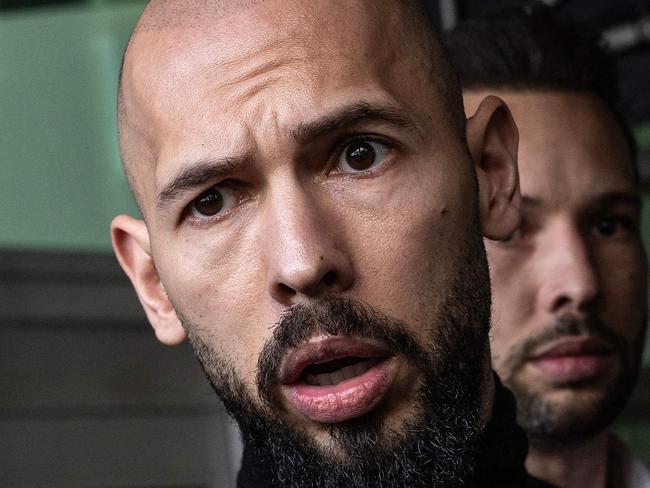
{"x": 572, "y": 465}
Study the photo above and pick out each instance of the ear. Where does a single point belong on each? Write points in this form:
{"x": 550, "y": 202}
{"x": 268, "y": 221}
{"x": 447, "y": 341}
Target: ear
{"x": 130, "y": 239}
{"x": 493, "y": 139}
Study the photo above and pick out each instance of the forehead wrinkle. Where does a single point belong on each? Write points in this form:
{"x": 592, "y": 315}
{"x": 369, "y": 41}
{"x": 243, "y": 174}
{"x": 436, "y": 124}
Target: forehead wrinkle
{"x": 258, "y": 75}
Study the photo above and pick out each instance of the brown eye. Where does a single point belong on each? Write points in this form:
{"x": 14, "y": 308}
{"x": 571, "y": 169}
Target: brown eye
{"x": 362, "y": 156}
{"x": 607, "y": 227}
{"x": 611, "y": 226}
{"x": 208, "y": 204}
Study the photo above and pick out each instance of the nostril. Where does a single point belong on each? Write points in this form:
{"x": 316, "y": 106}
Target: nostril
{"x": 329, "y": 278}
{"x": 286, "y": 290}
{"x": 561, "y": 301}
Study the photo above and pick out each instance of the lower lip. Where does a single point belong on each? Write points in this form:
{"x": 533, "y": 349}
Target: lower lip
{"x": 348, "y": 400}
{"x": 572, "y": 368}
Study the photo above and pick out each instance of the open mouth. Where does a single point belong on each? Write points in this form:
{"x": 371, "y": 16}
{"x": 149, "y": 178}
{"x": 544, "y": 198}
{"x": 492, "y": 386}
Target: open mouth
{"x": 336, "y": 371}
{"x": 334, "y": 379}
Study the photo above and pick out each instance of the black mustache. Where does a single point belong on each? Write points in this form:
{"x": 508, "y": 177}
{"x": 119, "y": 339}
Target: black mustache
{"x": 572, "y": 326}
{"x": 331, "y": 316}
{"x": 568, "y": 325}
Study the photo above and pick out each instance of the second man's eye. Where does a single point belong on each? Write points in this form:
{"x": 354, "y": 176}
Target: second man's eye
{"x": 607, "y": 227}
{"x": 362, "y": 156}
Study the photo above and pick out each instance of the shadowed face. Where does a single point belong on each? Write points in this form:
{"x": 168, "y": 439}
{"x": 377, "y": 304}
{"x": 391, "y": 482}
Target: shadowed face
{"x": 569, "y": 287}
{"x": 312, "y": 214}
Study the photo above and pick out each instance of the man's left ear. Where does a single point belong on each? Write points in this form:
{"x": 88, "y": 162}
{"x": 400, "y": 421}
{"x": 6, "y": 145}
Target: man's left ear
{"x": 493, "y": 139}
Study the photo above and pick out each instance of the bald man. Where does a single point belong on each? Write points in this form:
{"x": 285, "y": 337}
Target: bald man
{"x": 570, "y": 286}
{"x": 313, "y": 207}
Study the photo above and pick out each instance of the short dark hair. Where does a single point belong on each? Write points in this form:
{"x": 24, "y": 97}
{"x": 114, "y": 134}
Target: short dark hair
{"x": 533, "y": 47}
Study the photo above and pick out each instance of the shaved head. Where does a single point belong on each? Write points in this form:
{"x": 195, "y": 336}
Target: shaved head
{"x": 401, "y": 26}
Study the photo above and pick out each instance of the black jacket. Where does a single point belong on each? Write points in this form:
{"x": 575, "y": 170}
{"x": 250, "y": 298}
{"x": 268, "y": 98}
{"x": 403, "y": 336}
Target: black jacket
{"x": 500, "y": 465}
{"x": 504, "y": 448}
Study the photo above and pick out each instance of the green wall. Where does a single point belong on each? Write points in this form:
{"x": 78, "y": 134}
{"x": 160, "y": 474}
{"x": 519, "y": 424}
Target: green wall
{"x": 60, "y": 176}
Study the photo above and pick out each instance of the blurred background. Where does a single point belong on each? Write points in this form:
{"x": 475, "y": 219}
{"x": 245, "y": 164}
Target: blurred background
{"x": 88, "y": 397}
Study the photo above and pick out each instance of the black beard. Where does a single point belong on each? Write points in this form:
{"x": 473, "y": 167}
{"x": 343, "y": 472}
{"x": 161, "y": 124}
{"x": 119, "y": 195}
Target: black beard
{"x": 550, "y": 424}
{"x": 436, "y": 447}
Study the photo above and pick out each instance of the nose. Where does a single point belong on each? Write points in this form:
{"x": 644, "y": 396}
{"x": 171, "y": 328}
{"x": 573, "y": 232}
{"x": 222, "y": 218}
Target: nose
{"x": 306, "y": 256}
{"x": 569, "y": 280}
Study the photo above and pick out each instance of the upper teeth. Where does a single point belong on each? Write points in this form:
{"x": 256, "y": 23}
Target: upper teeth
{"x": 336, "y": 377}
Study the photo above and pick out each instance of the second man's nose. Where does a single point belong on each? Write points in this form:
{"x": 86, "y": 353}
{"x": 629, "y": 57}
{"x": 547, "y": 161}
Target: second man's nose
{"x": 568, "y": 278}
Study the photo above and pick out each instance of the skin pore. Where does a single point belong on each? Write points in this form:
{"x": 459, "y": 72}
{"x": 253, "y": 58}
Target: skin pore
{"x": 570, "y": 286}
{"x": 302, "y": 171}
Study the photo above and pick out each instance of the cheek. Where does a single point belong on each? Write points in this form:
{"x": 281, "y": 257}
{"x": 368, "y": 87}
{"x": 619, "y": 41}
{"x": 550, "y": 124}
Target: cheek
{"x": 623, "y": 278}
{"x": 512, "y": 284}
{"x": 499, "y": 345}
{"x": 513, "y": 298}
{"x": 624, "y": 268}
{"x": 217, "y": 291}
{"x": 406, "y": 238}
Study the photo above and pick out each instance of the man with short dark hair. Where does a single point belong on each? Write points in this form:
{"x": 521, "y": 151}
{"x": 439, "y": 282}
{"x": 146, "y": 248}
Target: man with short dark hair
{"x": 313, "y": 206}
{"x": 570, "y": 285}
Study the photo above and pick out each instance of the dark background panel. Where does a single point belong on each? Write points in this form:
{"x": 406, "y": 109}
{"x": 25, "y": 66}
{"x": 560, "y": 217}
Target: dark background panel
{"x": 51, "y": 370}
{"x": 89, "y": 397}
{"x": 124, "y": 452}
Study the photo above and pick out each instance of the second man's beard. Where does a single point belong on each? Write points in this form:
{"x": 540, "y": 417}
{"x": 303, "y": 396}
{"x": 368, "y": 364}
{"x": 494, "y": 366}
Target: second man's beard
{"x": 590, "y": 407}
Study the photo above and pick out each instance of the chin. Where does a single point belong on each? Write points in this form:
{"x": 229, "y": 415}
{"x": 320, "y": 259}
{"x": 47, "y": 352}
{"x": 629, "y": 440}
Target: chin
{"x": 385, "y": 425}
{"x": 569, "y": 414}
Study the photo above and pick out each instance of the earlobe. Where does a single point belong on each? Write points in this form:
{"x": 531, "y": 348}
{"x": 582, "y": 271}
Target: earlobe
{"x": 493, "y": 140}
{"x": 131, "y": 244}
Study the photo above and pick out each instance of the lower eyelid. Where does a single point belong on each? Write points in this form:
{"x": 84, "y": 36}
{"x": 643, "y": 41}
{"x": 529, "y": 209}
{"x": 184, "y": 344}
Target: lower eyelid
{"x": 377, "y": 170}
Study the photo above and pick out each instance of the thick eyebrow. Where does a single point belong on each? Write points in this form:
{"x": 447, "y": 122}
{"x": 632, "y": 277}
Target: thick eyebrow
{"x": 527, "y": 201}
{"x": 196, "y": 174}
{"x": 607, "y": 200}
{"x": 600, "y": 203}
{"x": 351, "y": 115}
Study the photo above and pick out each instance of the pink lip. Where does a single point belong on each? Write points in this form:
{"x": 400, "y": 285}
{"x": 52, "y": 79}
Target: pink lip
{"x": 572, "y": 359}
{"x": 347, "y": 400}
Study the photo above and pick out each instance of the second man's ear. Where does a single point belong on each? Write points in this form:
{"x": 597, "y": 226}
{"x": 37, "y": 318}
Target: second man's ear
{"x": 493, "y": 140}
{"x": 130, "y": 239}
